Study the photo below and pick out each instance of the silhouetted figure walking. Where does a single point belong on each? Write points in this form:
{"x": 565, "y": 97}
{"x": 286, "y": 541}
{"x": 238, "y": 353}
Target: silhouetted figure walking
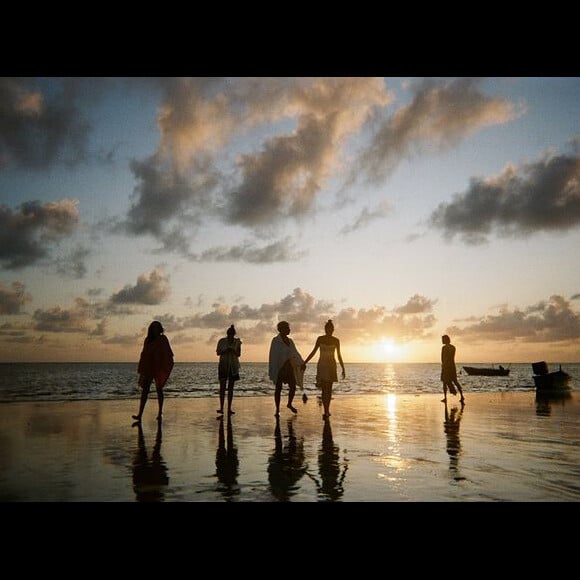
{"x": 326, "y": 368}
{"x": 449, "y": 370}
{"x": 284, "y": 366}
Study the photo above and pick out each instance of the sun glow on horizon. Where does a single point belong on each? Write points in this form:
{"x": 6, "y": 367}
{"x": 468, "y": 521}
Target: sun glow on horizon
{"x": 388, "y": 350}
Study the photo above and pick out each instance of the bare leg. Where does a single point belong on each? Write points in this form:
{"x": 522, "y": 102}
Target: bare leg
{"x": 326, "y": 397}
{"x": 160, "y": 398}
{"x": 222, "y": 395}
{"x": 444, "y": 399}
{"x": 145, "y": 387}
{"x": 462, "y": 399}
{"x": 277, "y": 396}
{"x": 230, "y": 395}
{"x": 291, "y": 393}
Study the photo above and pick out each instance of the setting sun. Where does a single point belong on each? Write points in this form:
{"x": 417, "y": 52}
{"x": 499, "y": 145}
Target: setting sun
{"x": 388, "y": 350}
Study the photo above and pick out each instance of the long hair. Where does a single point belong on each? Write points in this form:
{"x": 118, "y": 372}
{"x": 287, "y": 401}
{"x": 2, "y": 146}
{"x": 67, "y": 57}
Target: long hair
{"x": 154, "y": 330}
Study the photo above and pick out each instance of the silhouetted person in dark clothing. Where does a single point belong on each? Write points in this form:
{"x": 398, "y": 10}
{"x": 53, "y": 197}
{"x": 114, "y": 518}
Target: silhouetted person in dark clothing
{"x": 155, "y": 365}
{"x": 449, "y": 370}
{"x": 229, "y": 349}
{"x": 149, "y": 474}
{"x": 286, "y": 464}
{"x": 226, "y": 462}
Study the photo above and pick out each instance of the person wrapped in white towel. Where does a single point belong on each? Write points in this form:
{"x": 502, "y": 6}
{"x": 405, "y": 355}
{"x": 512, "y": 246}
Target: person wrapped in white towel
{"x": 285, "y": 366}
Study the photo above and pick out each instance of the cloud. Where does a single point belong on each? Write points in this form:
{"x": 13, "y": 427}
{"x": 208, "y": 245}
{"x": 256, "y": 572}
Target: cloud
{"x": 367, "y": 325}
{"x": 152, "y": 288}
{"x": 307, "y": 316}
{"x": 38, "y": 129}
{"x": 539, "y": 196}
{"x": 13, "y": 298}
{"x": 367, "y": 216}
{"x": 417, "y": 304}
{"x": 279, "y": 251}
{"x": 73, "y": 265}
{"x": 57, "y": 319}
{"x": 283, "y": 178}
{"x": 27, "y": 234}
{"x": 547, "y": 321}
{"x": 441, "y": 115}
{"x": 249, "y": 152}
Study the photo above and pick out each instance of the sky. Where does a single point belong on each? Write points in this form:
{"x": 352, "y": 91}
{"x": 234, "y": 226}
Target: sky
{"x": 400, "y": 208}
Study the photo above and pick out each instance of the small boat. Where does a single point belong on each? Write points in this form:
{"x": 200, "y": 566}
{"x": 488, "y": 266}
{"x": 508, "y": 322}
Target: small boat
{"x": 487, "y": 371}
{"x": 550, "y": 382}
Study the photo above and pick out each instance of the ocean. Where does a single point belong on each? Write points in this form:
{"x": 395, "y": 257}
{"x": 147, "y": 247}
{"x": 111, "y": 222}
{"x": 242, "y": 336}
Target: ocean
{"x": 113, "y": 381}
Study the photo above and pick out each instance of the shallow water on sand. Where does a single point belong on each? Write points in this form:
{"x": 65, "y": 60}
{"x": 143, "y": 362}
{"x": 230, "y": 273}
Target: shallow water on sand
{"x": 385, "y": 448}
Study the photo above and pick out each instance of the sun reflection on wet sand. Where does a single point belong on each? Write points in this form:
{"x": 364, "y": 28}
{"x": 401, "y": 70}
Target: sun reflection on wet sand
{"x": 388, "y": 447}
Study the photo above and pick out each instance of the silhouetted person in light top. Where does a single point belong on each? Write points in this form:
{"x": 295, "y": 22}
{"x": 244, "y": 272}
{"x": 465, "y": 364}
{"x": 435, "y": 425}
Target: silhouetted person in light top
{"x": 155, "y": 364}
{"x": 451, "y": 427}
{"x": 449, "y": 370}
{"x": 229, "y": 349}
{"x": 226, "y": 462}
{"x": 149, "y": 474}
{"x": 326, "y": 368}
{"x": 286, "y": 465}
{"x": 285, "y": 366}
{"x": 330, "y": 486}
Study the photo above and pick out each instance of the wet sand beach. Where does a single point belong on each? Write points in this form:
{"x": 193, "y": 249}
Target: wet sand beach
{"x": 501, "y": 447}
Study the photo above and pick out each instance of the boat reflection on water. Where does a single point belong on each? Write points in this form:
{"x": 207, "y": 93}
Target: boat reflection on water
{"x": 544, "y": 401}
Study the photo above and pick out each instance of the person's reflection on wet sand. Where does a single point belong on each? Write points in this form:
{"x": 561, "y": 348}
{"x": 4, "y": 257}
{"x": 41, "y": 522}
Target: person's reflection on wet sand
{"x": 149, "y": 474}
{"x": 286, "y": 465}
{"x": 451, "y": 427}
{"x": 330, "y": 486}
{"x": 226, "y": 462}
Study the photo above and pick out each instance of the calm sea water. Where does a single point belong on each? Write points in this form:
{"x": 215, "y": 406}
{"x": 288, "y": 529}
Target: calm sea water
{"x": 101, "y": 381}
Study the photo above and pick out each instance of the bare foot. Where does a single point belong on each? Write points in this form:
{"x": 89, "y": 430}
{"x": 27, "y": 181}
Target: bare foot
{"x": 220, "y": 411}
{"x": 230, "y": 412}
{"x": 293, "y": 409}
{"x": 136, "y": 417}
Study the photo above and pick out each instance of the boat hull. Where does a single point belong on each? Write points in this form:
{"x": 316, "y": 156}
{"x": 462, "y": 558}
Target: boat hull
{"x": 552, "y": 382}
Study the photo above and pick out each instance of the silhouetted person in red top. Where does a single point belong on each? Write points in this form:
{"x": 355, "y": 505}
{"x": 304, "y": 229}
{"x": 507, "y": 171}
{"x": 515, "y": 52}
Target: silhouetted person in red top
{"x": 155, "y": 364}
